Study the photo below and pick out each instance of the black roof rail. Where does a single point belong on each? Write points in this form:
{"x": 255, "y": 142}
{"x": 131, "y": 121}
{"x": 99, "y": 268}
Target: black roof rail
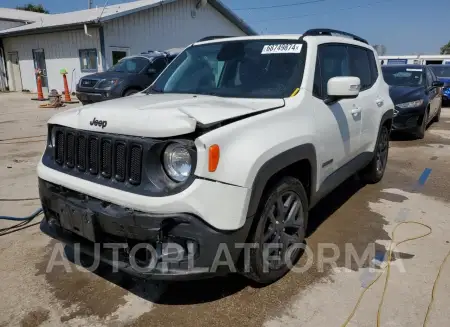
{"x": 330, "y": 32}
{"x": 214, "y": 37}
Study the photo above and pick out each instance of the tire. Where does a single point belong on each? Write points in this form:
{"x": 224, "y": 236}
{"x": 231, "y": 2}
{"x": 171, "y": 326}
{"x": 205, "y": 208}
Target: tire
{"x": 281, "y": 199}
{"x": 437, "y": 118}
{"x": 374, "y": 171}
{"x": 423, "y": 127}
{"x": 130, "y": 92}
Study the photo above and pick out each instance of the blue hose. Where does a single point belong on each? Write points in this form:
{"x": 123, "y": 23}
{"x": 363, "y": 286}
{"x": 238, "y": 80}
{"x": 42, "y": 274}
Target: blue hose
{"x": 33, "y": 215}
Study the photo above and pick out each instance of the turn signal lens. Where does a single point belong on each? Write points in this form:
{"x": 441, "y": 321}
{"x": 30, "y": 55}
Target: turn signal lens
{"x": 214, "y": 156}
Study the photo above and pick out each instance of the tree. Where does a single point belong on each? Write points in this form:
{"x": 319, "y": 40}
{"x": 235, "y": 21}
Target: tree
{"x": 32, "y": 7}
{"x": 445, "y": 49}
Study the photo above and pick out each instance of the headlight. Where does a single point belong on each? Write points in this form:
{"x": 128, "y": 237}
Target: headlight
{"x": 177, "y": 162}
{"x": 107, "y": 84}
{"x": 411, "y": 104}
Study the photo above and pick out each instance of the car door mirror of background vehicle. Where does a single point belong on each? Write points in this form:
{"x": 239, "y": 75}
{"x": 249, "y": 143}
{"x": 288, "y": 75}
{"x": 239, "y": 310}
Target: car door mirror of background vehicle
{"x": 343, "y": 87}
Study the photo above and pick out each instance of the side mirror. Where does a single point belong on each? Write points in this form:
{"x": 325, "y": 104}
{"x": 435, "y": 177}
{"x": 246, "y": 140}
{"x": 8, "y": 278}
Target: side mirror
{"x": 345, "y": 87}
{"x": 437, "y": 84}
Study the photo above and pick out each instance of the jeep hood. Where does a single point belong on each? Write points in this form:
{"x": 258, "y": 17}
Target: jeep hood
{"x": 161, "y": 115}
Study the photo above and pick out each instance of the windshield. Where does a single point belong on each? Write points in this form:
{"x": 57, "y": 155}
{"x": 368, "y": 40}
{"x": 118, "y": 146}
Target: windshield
{"x": 403, "y": 76}
{"x": 250, "y": 68}
{"x": 441, "y": 70}
{"x": 129, "y": 65}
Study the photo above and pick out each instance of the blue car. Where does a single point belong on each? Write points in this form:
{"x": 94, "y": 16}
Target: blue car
{"x": 442, "y": 72}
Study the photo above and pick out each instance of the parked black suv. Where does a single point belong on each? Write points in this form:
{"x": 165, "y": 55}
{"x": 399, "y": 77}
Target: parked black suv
{"x": 130, "y": 75}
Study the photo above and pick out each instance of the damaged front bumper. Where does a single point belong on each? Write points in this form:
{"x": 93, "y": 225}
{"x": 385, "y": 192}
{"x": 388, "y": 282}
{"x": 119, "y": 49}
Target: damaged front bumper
{"x": 156, "y": 246}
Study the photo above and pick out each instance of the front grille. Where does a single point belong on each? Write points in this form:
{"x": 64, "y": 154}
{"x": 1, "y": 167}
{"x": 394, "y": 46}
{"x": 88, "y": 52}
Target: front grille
{"x": 97, "y": 154}
{"x": 120, "y": 162}
{"x": 88, "y": 82}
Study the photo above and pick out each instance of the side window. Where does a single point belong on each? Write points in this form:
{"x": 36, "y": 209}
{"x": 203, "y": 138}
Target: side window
{"x": 159, "y": 65}
{"x": 317, "y": 86}
{"x": 429, "y": 77}
{"x": 360, "y": 66}
{"x": 333, "y": 62}
{"x": 433, "y": 75}
{"x": 373, "y": 66}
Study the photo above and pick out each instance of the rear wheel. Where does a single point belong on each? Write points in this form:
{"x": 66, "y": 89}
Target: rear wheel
{"x": 280, "y": 232}
{"x": 423, "y": 126}
{"x": 438, "y": 116}
{"x": 374, "y": 171}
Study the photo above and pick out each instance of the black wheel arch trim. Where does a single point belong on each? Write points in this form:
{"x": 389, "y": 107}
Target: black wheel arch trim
{"x": 275, "y": 165}
{"x": 386, "y": 116}
{"x": 128, "y": 88}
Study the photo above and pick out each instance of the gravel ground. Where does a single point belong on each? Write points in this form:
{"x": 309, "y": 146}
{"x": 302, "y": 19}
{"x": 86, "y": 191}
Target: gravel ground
{"x": 352, "y": 218}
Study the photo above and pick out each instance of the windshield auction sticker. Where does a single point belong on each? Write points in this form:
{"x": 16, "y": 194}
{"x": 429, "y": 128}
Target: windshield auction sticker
{"x": 281, "y": 48}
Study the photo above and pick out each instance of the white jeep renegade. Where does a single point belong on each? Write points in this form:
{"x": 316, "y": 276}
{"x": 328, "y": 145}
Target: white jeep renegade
{"x": 235, "y": 142}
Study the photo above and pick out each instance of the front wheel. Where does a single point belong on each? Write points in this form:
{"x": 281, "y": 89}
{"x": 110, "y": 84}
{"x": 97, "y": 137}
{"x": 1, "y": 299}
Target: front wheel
{"x": 374, "y": 171}
{"x": 280, "y": 232}
{"x": 130, "y": 92}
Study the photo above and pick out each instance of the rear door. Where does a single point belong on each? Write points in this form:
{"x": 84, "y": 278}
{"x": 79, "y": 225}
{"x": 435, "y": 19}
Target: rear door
{"x": 438, "y": 97}
{"x": 363, "y": 65}
{"x": 432, "y": 93}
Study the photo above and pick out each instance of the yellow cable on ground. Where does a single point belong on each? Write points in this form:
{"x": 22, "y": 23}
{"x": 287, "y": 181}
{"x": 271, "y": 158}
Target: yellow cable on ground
{"x": 434, "y": 288}
{"x": 388, "y": 270}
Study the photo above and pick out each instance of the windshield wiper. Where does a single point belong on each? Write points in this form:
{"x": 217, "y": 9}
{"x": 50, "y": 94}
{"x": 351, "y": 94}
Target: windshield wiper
{"x": 153, "y": 90}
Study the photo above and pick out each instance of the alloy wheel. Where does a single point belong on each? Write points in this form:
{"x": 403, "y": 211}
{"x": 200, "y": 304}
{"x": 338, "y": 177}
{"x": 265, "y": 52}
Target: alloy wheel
{"x": 284, "y": 227}
{"x": 382, "y": 151}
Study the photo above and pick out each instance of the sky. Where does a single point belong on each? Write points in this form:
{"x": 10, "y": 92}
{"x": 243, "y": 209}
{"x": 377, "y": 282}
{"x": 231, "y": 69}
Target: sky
{"x": 402, "y": 26}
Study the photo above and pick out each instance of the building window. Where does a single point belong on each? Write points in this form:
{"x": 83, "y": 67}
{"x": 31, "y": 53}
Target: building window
{"x": 117, "y": 55}
{"x": 88, "y": 60}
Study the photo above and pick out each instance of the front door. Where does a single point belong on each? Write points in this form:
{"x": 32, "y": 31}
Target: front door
{"x": 341, "y": 121}
{"x": 39, "y": 64}
{"x": 15, "y": 79}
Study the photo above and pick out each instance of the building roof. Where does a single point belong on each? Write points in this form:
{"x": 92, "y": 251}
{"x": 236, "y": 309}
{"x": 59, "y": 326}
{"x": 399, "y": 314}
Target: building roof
{"x": 103, "y": 14}
{"x": 20, "y": 15}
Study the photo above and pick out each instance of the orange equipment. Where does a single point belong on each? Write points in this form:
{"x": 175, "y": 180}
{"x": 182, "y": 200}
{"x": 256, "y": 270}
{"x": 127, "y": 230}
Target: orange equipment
{"x": 67, "y": 98}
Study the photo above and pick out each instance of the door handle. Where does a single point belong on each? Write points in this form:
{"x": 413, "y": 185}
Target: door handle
{"x": 356, "y": 111}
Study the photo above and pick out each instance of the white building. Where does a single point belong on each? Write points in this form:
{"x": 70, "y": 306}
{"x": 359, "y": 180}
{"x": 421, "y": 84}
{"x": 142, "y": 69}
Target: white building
{"x": 92, "y": 40}
{"x": 416, "y": 60}
{"x": 10, "y": 18}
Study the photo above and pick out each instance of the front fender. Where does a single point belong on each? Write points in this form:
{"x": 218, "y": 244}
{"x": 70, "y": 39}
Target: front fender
{"x": 278, "y": 163}
{"x": 256, "y": 147}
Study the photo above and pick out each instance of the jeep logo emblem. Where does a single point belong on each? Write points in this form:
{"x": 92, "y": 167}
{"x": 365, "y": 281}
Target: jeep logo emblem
{"x": 96, "y": 122}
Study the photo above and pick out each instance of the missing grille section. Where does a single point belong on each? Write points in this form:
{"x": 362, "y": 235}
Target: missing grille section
{"x": 135, "y": 164}
{"x": 121, "y": 161}
{"x": 106, "y": 159}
